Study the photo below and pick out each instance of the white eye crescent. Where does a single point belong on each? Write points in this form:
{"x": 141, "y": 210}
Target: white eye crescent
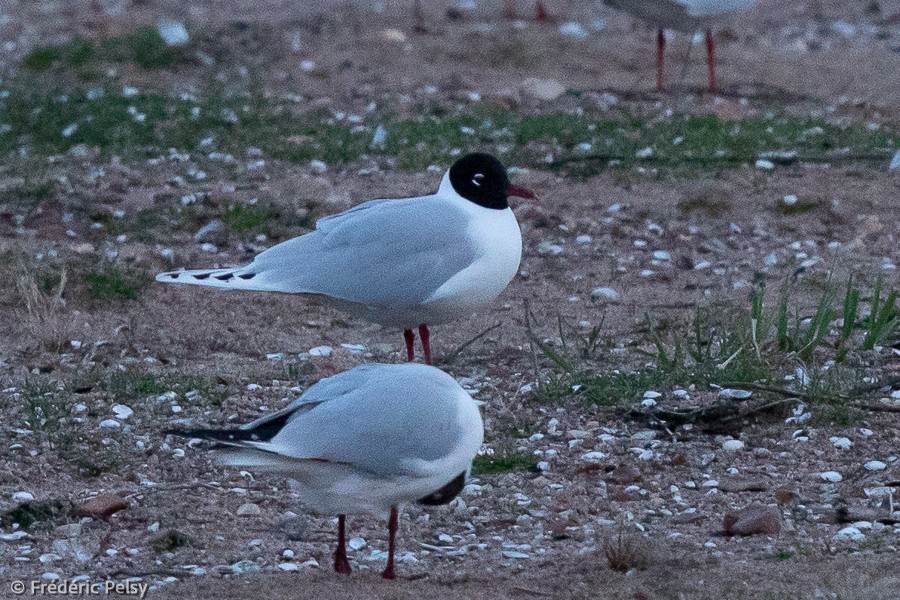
{"x": 476, "y": 180}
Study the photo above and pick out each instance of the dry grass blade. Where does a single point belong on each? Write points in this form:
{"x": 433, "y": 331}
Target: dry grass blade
{"x": 625, "y": 551}
{"x": 46, "y": 318}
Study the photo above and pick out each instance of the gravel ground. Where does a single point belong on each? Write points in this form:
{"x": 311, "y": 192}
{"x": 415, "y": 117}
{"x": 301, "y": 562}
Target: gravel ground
{"x": 88, "y": 382}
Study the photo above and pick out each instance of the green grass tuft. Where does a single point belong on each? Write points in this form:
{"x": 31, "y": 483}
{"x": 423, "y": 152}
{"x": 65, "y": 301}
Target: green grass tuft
{"x": 502, "y": 462}
{"x": 109, "y": 285}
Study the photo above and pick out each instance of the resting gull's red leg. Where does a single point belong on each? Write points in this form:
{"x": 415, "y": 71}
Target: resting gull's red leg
{"x": 410, "y": 338}
{"x": 711, "y": 60}
{"x": 392, "y": 535}
{"x": 426, "y": 342}
{"x": 660, "y": 55}
{"x": 341, "y": 565}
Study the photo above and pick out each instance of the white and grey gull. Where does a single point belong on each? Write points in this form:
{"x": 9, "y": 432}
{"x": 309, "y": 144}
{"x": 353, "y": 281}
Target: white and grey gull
{"x": 682, "y": 15}
{"x": 364, "y": 441}
{"x": 406, "y": 263}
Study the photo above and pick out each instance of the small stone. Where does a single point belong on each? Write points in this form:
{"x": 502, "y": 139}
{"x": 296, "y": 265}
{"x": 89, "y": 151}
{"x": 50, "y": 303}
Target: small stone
{"x": 173, "y": 33}
{"x": 733, "y": 445}
{"x": 605, "y": 292}
{"x": 754, "y": 519}
{"x": 23, "y": 496}
{"x": 110, "y": 424}
{"x": 842, "y": 443}
{"x": 735, "y": 394}
{"x": 514, "y": 554}
{"x": 765, "y": 165}
{"x": 584, "y": 239}
{"x": 831, "y": 476}
{"x": 317, "y": 166}
{"x": 875, "y": 465}
{"x": 392, "y": 35}
{"x": 850, "y": 533}
{"x": 289, "y": 566}
{"x": 593, "y": 456}
{"x": 895, "y": 162}
{"x": 573, "y": 29}
{"x": 790, "y": 200}
{"x": 49, "y": 576}
{"x": 542, "y": 89}
{"x": 244, "y": 566}
{"x": 121, "y": 411}
{"x": 102, "y": 506}
{"x": 652, "y": 394}
{"x": 357, "y": 543}
{"x": 321, "y": 351}
{"x": 248, "y": 509}
{"x": 662, "y": 255}
{"x": 214, "y": 232}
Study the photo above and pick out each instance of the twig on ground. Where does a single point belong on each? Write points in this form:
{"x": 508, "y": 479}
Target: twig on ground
{"x": 455, "y": 354}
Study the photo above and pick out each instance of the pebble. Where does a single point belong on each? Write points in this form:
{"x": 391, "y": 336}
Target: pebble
{"x": 850, "y": 533}
{"x": 173, "y": 33}
{"x": 841, "y": 442}
{"x": 321, "y": 351}
{"x": 317, "y": 166}
{"x": 831, "y": 476}
{"x": 50, "y": 576}
{"x": 662, "y": 255}
{"x": 248, "y": 509}
{"x": 357, "y": 543}
{"x": 652, "y": 394}
{"x": 574, "y": 30}
{"x": 515, "y": 554}
{"x": 110, "y": 424}
{"x": 542, "y": 89}
{"x": 244, "y": 566}
{"x": 584, "y": 239}
{"x": 23, "y": 496}
{"x": 735, "y": 394}
{"x": 733, "y": 445}
{"x": 765, "y": 165}
{"x": 895, "y": 162}
{"x": 549, "y": 248}
{"x": 605, "y": 292}
{"x": 875, "y": 465}
{"x": 593, "y": 456}
{"x": 289, "y": 566}
{"x": 121, "y": 411}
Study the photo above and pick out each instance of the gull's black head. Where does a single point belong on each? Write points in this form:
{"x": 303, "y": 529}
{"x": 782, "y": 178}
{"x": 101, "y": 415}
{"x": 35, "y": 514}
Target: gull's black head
{"x": 482, "y": 179}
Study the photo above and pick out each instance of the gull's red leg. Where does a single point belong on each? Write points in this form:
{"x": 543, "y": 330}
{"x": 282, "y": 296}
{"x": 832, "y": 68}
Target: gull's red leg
{"x": 711, "y": 60}
{"x": 660, "y": 54}
{"x": 392, "y": 535}
{"x": 410, "y": 338}
{"x": 426, "y": 342}
{"x": 540, "y": 13}
{"x": 341, "y": 565}
{"x": 419, "y": 17}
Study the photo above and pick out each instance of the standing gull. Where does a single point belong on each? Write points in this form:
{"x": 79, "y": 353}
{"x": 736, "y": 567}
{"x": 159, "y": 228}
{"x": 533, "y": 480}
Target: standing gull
{"x": 406, "y": 263}
{"x": 364, "y": 441}
{"x": 682, "y": 15}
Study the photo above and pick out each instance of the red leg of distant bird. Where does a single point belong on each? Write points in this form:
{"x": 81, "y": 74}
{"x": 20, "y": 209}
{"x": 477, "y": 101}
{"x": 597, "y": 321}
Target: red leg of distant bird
{"x": 340, "y": 555}
{"x": 510, "y": 12}
{"x": 660, "y": 53}
{"x": 426, "y": 342}
{"x": 711, "y": 60}
{"x": 419, "y": 17}
{"x": 540, "y": 13}
{"x": 410, "y": 338}
{"x": 392, "y": 534}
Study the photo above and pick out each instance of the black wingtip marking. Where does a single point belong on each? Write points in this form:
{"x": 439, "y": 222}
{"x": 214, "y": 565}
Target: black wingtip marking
{"x": 173, "y": 275}
{"x": 201, "y": 276}
{"x": 225, "y": 277}
{"x": 445, "y": 494}
{"x": 247, "y": 276}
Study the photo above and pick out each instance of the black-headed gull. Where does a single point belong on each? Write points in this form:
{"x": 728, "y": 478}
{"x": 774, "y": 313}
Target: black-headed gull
{"x": 364, "y": 441}
{"x": 682, "y": 15}
{"x": 406, "y": 263}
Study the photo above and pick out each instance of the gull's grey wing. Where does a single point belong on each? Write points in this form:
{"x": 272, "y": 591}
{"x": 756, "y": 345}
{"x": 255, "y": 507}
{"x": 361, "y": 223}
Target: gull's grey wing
{"x": 383, "y": 419}
{"x": 383, "y": 253}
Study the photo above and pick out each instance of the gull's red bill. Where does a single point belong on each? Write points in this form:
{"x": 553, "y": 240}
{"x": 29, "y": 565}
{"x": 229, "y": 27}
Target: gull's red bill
{"x": 520, "y": 192}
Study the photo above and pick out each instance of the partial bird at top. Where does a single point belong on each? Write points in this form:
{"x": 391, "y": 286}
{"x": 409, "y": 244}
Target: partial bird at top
{"x": 404, "y": 263}
{"x": 682, "y": 15}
